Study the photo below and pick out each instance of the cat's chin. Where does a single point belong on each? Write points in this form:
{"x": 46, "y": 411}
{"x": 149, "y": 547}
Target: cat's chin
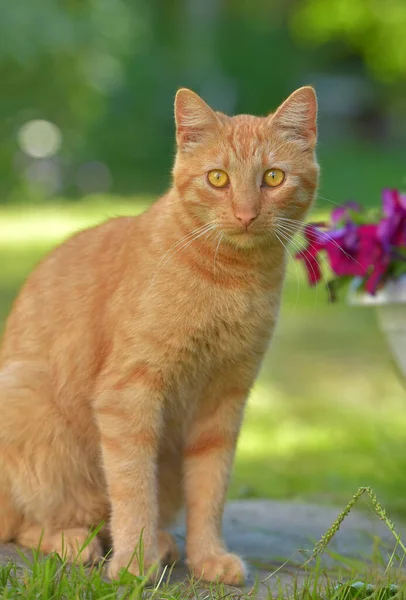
{"x": 244, "y": 239}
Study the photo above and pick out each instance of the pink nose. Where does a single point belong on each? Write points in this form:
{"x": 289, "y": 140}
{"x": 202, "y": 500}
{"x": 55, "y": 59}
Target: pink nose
{"x": 246, "y": 218}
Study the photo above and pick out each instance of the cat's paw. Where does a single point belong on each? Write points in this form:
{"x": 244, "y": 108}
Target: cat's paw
{"x": 167, "y": 548}
{"x": 226, "y": 568}
{"x": 127, "y": 562}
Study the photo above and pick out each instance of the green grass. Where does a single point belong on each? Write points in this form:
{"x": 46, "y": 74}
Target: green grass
{"x": 52, "y": 577}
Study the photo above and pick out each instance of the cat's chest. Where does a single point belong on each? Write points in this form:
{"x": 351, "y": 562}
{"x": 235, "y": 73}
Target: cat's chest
{"x": 225, "y": 328}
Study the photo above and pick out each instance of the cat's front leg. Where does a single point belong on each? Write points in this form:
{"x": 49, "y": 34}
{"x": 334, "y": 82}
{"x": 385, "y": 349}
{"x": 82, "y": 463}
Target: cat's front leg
{"x": 129, "y": 415}
{"x": 208, "y": 461}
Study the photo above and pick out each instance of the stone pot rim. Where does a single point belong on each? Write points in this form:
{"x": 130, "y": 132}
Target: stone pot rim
{"x": 393, "y": 292}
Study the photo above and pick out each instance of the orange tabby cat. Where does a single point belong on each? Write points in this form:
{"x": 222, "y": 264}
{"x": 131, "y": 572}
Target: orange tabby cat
{"x": 130, "y": 352}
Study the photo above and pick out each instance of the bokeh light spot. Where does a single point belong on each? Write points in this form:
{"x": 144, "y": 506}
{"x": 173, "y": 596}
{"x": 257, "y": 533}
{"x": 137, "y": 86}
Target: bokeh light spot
{"x": 39, "y": 138}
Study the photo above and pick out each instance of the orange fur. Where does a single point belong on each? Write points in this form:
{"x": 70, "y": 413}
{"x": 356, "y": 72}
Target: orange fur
{"x": 131, "y": 349}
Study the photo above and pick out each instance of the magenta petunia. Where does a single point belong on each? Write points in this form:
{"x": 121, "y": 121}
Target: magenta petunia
{"x": 313, "y": 236}
{"x": 342, "y": 247}
{"x": 392, "y": 228}
{"x": 312, "y": 265}
{"x": 377, "y": 275}
{"x": 366, "y": 250}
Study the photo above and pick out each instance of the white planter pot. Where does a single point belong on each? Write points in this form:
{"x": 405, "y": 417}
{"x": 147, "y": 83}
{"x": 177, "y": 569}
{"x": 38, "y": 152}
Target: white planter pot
{"x": 390, "y": 305}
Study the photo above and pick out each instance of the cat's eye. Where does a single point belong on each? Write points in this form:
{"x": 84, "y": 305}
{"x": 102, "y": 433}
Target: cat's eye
{"x": 218, "y": 178}
{"x": 273, "y": 177}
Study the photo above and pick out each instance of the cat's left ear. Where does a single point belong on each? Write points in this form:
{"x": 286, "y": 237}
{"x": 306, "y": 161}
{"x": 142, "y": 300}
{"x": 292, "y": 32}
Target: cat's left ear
{"x": 195, "y": 120}
{"x": 296, "y": 118}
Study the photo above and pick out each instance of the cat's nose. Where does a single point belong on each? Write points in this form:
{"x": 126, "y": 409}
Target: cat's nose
{"x": 246, "y": 217}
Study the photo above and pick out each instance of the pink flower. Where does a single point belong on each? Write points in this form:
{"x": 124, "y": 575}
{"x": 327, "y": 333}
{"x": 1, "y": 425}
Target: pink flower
{"x": 392, "y": 228}
{"x": 358, "y": 250}
{"x": 342, "y": 246}
{"x": 310, "y": 253}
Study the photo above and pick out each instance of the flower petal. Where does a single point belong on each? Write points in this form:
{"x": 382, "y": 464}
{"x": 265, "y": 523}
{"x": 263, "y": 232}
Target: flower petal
{"x": 342, "y": 213}
{"x": 390, "y": 201}
{"x": 312, "y": 265}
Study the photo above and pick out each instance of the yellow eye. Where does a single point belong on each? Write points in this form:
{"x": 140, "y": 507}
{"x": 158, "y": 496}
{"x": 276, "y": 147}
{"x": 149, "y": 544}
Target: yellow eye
{"x": 273, "y": 177}
{"x": 218, "y": 178}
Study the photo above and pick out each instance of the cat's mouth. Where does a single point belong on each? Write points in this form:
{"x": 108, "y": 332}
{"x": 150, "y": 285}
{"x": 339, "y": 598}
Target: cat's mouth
{"x": 244, "y": 231}
{"x": 241, "y": 233}
{"x": 243, "y": 237}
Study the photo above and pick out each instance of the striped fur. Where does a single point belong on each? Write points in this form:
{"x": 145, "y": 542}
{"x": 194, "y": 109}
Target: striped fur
{"x": 130, "y": 351}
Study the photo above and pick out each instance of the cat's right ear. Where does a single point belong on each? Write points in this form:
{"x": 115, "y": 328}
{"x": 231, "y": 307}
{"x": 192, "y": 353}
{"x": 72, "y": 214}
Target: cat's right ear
{"x": 296, "y": 118}
{"x": 195, "y": 120}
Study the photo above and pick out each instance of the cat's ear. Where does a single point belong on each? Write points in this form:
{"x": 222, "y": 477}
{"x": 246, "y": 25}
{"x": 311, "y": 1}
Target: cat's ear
{"x": 296, "y": 118}
{"x": 194, "y": 119}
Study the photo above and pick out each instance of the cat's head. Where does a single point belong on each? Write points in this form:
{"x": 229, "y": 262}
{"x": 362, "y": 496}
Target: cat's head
{"x": 247, "y": 174}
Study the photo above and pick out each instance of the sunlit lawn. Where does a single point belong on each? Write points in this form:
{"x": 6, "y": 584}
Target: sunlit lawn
{"x": 328, "y": 413}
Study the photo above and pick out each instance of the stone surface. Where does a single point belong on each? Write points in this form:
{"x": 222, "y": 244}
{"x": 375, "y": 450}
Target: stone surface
{"x": 267, "y": 533}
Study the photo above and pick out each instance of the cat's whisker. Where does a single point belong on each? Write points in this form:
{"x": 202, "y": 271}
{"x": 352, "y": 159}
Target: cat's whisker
{"x": 291, "y": 232}
{"x": 176, "y": 201}
{"x": 295, "y": 265}
{"x": 292, "y": 223}
{"x": 190, "y": 240}
{"x": 329, "y": 200}
{"x": 289, "y": 229}
{"x": 317, "y": 289}
{"x": 187, "y": 242}
{"x": 321, "y": 233}
{"x": 290, "y": 220}
{"x": 298, "y": 249}
{"x": 289, "y": 236}
{"x": 184, "y": 238}
{"x": 190, "y": 234}
{"x": 182, "y": 242}
{"x": 216, "y": 252}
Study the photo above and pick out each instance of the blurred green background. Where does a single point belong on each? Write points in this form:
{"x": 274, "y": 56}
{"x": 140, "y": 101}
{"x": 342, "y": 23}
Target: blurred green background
{"x": 86, "y": 132}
